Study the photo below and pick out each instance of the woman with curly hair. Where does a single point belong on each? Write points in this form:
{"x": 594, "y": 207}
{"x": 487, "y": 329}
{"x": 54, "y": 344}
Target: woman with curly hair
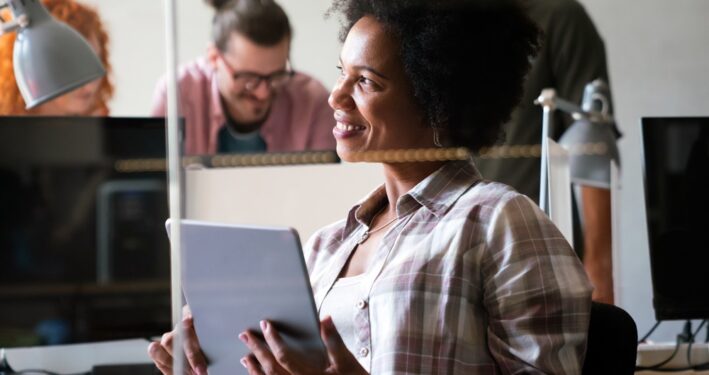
{"x": 88, "y": 100}
{"x": 437, "y": 270}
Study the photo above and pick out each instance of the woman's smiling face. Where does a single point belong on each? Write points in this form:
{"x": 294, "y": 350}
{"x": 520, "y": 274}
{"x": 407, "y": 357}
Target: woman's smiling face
{"x": 374, "y": 105}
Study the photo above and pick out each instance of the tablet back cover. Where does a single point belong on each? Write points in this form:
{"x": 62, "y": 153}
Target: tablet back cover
{"x": 236, "y": 276}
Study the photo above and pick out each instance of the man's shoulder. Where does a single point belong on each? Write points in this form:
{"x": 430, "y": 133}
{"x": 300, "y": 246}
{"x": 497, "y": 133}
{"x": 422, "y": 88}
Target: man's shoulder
{"x": 194, "y": 77}
{"x": 196, "y": 71}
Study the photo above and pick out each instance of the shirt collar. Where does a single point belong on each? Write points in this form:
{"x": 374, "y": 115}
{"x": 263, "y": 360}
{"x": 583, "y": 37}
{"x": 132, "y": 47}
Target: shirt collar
{"x": 437, "y": 192}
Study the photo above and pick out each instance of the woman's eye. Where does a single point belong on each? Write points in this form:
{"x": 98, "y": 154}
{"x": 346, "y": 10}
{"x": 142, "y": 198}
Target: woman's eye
{"x": 339, "y": 68}
{"x": 365, "y": 81}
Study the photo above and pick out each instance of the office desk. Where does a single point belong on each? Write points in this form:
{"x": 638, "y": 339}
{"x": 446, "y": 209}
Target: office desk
{"x": 89, "y": 311}
{"x": 650, "y": 354}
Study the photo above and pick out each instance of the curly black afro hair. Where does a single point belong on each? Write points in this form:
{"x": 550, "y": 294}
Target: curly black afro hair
{"x": 466, "y": 59}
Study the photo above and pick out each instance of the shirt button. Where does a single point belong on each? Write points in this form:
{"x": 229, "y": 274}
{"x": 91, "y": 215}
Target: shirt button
{"x": 361, "y": 304}
{"x": 363, "y": 352}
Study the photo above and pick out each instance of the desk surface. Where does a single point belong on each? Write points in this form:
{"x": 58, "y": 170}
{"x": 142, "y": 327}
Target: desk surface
{"x": 35, "y": 314}
{"x": 651, "y": 354}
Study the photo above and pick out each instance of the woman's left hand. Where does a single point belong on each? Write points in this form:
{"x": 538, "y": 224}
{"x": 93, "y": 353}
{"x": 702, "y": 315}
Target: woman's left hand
{"x": 274, "y": 357}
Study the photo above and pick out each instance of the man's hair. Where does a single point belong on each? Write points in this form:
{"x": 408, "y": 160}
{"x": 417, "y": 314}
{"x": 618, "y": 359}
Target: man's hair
{"x": 262, "y": 21}
{"x": 466, "y": 59}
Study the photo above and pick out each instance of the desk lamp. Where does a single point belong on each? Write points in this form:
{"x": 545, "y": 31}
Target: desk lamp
{"x": 594, "y": 138}
{"x": 590, "y": 140}
{"x": 49, "y": 57}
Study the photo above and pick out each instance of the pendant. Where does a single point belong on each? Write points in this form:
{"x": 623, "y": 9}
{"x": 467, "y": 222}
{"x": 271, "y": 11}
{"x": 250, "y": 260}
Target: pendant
{"x": 364, "y": 237}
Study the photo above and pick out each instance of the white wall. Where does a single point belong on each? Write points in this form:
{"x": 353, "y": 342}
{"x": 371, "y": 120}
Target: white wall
{"x": 659, "y": 66}
{"x": 658, "y": 56}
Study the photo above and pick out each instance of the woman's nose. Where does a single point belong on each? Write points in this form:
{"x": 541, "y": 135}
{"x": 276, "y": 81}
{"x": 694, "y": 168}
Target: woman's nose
{"x": 341, "y": 96}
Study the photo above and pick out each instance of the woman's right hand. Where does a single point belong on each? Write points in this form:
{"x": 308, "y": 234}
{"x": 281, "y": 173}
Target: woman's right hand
{"x": 162, "y": 354}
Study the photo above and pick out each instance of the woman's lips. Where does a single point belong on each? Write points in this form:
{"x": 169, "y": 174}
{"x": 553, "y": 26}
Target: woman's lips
{"x": 344, "y": 130}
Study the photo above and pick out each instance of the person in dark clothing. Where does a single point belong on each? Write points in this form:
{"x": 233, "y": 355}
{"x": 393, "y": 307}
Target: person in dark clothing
{"x": 572, "y": 55}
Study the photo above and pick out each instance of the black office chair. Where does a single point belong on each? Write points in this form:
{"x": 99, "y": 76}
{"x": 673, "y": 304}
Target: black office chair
{"x": 612, "y": 341}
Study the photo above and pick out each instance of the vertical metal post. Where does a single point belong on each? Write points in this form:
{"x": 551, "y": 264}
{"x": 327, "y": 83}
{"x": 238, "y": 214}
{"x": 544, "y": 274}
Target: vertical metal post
{"x": 174, "y": 180}
{"x": 547, "y": 101}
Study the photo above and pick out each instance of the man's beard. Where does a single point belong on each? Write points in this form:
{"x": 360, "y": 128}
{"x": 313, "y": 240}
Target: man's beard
{"x": 252, "y": 125}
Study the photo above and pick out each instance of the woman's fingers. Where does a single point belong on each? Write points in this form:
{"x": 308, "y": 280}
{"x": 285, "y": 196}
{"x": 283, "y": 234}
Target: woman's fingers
{"x": 193, "y": 352}
{"x": 252, "y": 365}
{"x": 341, "y": 359}
{"x": 278, "y": 348}
{"x": 262, "y": 353}
{"x": 166, "y": 341}
{"x": 162, "y": 353}
{"x": 161, "y": 358}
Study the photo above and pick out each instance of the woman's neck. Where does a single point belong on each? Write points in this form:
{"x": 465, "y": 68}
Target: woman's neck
{"x": 399, "y": 178}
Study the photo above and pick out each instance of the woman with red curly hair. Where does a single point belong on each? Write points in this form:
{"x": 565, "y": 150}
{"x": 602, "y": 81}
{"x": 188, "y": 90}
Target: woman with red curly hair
{"x": 88, "y": 100}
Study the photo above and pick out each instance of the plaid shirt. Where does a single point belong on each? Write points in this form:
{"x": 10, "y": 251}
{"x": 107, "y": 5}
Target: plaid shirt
{"x": 472, "y": 279}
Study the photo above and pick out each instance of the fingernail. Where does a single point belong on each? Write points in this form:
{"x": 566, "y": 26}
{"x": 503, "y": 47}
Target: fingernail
{"x": 243, "y": 362}
{"x": 264, "y": 325}
{"x": 244, "y": 338}
{"x": 201, "y": 370}
{"x": 328, "y": 322}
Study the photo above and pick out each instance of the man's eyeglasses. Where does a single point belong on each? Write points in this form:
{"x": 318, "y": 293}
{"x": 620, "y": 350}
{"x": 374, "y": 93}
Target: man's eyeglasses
{"x": 250, "y": 81}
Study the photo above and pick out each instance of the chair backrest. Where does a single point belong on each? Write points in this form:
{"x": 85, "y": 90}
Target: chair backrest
{"x": 612, "y": 341}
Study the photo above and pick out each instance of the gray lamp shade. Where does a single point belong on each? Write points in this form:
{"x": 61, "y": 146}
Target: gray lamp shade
{"x": 592, "y": 146}
{"x": 51, "y": 58}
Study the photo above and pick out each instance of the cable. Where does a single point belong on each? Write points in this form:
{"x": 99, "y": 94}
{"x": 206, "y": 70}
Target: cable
{"x": 691, "y": 341}
{"x": 657, "y": 323}
{"x": 656, "y": 367}
{"x": 664, "y": 362}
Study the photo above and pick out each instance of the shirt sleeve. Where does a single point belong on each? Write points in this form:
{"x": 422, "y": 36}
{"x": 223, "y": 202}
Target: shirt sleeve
{"x": 159, "y": 99}
{"x": 313, "y": 96}
{"x": 536, "y": 293}
{"x": 323, "y": 122}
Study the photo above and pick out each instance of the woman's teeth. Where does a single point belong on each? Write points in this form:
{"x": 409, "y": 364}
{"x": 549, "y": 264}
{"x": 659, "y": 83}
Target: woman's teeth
{"x": 349, "y": 128}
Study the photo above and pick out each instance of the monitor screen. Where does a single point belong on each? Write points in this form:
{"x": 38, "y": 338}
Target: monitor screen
{"x": 83, "y": 251}
{"x": 676, "y": 162}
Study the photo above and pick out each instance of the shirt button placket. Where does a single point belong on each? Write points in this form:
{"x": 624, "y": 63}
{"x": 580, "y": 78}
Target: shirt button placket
{"x": 362, "y": 321}
{"x": 363, "y": 352}
{"x": 361, "y": 304}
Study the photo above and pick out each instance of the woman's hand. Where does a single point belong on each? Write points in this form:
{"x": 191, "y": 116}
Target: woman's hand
{"x": 274, "y": 357}
{"x": 161, "y": 352}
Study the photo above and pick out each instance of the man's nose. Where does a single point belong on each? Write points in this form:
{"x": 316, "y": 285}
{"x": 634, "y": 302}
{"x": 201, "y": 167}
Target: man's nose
{"x": 262, "y": 90}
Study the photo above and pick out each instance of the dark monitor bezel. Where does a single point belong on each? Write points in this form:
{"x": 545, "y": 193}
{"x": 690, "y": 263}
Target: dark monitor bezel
{"x": 665, "y": 308}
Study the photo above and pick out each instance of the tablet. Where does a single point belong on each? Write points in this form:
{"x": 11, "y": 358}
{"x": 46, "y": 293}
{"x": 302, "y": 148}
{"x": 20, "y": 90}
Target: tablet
{"x": 235, "y": 276}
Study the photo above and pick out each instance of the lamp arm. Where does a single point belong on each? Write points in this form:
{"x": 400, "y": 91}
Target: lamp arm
{"x": 548, "y": 98}
{"x": 19, "y": 20}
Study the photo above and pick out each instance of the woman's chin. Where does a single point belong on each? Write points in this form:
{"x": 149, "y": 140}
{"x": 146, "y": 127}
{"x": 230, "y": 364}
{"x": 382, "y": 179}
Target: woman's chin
{"x": 345, "y": 154}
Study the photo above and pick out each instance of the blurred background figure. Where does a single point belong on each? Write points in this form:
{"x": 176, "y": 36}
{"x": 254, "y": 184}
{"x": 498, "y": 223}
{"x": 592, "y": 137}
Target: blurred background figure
{"x": 88, "y": 100}
{"x": 244, "y": 95}
{"x": 573, "y": 54}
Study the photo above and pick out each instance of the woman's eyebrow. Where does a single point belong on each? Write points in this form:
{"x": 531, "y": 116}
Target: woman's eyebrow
{"x": 367, "y": 68}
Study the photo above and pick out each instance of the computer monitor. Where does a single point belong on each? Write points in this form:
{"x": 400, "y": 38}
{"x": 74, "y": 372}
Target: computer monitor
{"x": 676, "y": 167}
{"x": 83, "y": 251}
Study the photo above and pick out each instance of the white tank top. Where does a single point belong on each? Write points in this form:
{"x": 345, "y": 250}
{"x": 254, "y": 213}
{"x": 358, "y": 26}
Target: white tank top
{"x": 341, "y": 304}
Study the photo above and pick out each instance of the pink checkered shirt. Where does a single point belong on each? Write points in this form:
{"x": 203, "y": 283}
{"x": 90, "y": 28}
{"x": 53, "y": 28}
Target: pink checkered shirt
{"x": 472, "y": 279}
